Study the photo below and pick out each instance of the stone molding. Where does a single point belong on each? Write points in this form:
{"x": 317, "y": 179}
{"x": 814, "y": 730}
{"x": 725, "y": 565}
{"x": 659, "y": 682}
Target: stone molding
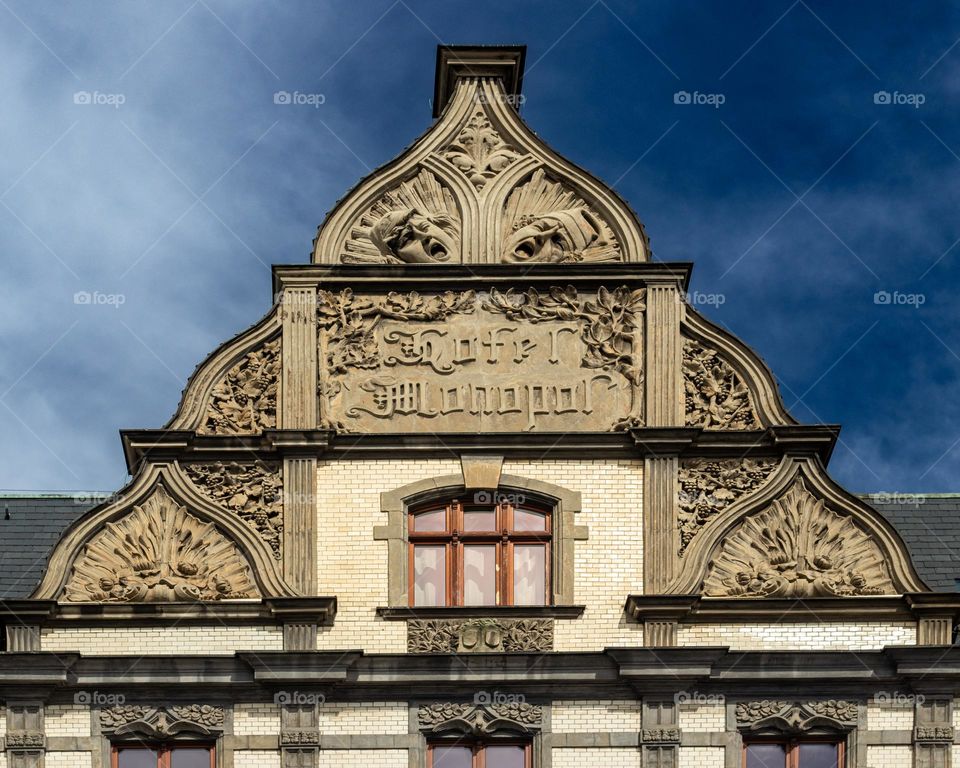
{"x": 154, "y": 721}
{"x": 480, "y": 719}
{"x": 796, "y": 716}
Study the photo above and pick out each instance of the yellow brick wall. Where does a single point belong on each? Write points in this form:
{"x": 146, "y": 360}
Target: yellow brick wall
{"x": 890, "y": 757}
{"x": 363, "y": 758}
{"x": 68, "y": 760}
{"x": 700, "y": 757}
{"x": 595, "y": 716}
{"x": 702, "y": 717}
{"x": 607, "y": 757}
{"x": 833, "y": 636}
{"x": 256, "y": 758}
{"x": 256, "y": 719}
{"x": 367, "y": 718}
{"x": 66, "y": 720}
{"x": 893, "y": 716}
{"x": 148, "y": 641}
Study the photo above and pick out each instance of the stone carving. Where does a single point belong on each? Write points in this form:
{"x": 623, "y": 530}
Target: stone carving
{"x": 796, "y": 716}
{"x": 715, "y": 395}
{"x": 244, "y": 401}
{"x": 797, "y": 548}
{"x": 660, "y": 735}
{"x": 479, "y": 635}
{"x": 206, "y": 718}
{"x": 415, "y": 223}
{"x": 479, "y": 151}
{"x": 159, "y": 552}
{"x": 545, "y": 221}
{"x": 30, "y": 740}
{"x": 941, "y": 733}
{"x": 480, "y": 718}
{"x": 299, "y": 738}
{"x": 253, "y": 492}
{"x": 707, "y": 487}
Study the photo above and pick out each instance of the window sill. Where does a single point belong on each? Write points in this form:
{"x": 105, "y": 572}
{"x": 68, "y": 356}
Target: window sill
{"x": 405, "y": 613}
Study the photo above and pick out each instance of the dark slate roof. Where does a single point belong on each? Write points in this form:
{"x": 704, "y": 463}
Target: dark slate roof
{"x": 29, "y": 527}
{"x": 930, "y": 525}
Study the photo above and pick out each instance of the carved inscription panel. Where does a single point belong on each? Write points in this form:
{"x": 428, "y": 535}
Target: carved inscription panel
{"x": 480, "y": 362}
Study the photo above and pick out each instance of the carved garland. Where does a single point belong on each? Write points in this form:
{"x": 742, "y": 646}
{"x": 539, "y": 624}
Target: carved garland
{"x": 707, "y": 487}
{"x": 797, "y": 548}
{"x": 127, "y": 718}
{"x": 159, "y": 552}
{"x": 796, "y": 716}
{"x": 253, "y": 492}
{"x": 480, "y": 719}
{"x": 715, "y": 396}
{"x": 479, "y": 152}
{"x": 244, "y": 401}
{"x": 479, "y": 635}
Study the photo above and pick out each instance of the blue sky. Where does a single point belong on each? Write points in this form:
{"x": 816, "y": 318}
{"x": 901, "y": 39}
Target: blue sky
{"x": 818, "y": 165}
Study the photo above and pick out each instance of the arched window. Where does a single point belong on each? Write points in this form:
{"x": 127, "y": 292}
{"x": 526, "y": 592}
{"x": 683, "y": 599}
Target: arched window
{"x": 492, "y": 550}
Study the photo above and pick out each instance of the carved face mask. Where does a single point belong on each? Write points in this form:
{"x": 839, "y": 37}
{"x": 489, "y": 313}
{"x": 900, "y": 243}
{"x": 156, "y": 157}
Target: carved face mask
{"x": 553, "y": 237}
{"x": 413, "y": 238}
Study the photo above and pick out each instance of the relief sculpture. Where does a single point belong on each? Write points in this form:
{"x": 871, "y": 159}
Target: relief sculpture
{"x": 479, "y": 152}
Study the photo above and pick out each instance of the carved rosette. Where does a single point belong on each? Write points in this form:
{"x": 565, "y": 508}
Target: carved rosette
{"x": 159, "y": 552}
{"x": 244, "y": 401}
{"x": 479, "y": 635}
{"x": 253, "y": 492}
{"x": 163, "y": 720}
{"x": 480, "y": 718}
{"x": 417, "y": 222}
{"x": 546, "y": 221}
{"x": 479, "y": 152}
{"x": 797, "y": 548}
{"x": 715, "y": 395}
{"x": 707, "y": 487}
{"x": 796, "y": 717}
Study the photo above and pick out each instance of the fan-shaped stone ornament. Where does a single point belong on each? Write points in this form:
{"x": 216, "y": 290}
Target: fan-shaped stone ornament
{"x": 798, "y": 548}
{"x": 159, "y": 552}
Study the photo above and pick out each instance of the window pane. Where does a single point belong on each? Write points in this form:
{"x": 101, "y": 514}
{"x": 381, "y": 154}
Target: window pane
{"x": 530, "y": 574}
{"x": 429, "y": 575}
{"x": 818, "y": 755}
{"x": 504, "y": 757}
{"x": 190, "y": 757}
{"x": 479, "y": 574}
{"x": 137, "y": 758}
{"x": 479, "y": 520}
{"x": 528, "y": 520}
{"x": 433, "y": 521}
{"x": 766, "y": 756}
{"x": 452, "y": 757}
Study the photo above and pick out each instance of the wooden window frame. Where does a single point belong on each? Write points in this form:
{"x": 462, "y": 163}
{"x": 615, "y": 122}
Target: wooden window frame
{"x": 792, "y": 757}
{"x": 503, "y": 537}
{"x": 163, "y": 750}
{"x": 478, "y": 749}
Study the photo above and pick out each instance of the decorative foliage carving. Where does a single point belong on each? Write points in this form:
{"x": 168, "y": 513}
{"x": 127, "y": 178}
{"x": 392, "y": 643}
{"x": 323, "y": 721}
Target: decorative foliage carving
{"x": 417, "y": 222}
{"x": 479, "y": 151}
{"x": 796, "y": 717}
{"x": 244, "y": 401}
{"x": 940, "y": 733}
{"x": 715, "y": 395}
{"x": 159, "y": 552}
{"x": 479, "y": 635}
{"x": 299, "y": 738}
{"x": 707, "y": 487}
{"x": 545, "y": 221}
{"x": 798, "y": 548}
{"x": 481, "y": 718}
{"x": 253, "y": 492}
{"x": 129, "y": 718}
{"x": 660, "y": 735}
{"x": 27, "y": 740}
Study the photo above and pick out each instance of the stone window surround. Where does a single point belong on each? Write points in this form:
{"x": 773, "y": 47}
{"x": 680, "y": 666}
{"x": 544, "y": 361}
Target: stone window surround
{"x": 397, "y": 502}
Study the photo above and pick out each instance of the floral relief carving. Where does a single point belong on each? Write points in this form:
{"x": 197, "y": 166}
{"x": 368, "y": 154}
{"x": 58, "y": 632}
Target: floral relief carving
{"x": 715, "y": 395}
{"x": 481, "y": 717}
{"x": 797, "y": 548}
{"x": 796, "y": 716}
{"x": 479, "y": 635}
{"x": 545, "y": 221}
{"x": 159, "y": 552}
{"x": 163, "y": 720}
{"x": 479, "y": 152}
{"x": 707, "y": 487}
{"x": 253, "y": 492}
{"x": 417, "y": 222}
{"x": 244, "y": 401}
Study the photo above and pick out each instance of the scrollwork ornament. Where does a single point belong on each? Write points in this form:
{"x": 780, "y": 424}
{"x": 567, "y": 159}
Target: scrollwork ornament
{"x": 479, "y": 152}
{"x": 794, "y": 716}
{"x": 480, "y": 719}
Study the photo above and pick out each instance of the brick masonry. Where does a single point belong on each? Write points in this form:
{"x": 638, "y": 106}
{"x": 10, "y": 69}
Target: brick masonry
{"x": 834, "y": 636}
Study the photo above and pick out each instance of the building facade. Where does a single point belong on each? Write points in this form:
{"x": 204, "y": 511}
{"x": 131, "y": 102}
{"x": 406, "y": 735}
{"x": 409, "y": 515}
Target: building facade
{"x": 481, "y": 491}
